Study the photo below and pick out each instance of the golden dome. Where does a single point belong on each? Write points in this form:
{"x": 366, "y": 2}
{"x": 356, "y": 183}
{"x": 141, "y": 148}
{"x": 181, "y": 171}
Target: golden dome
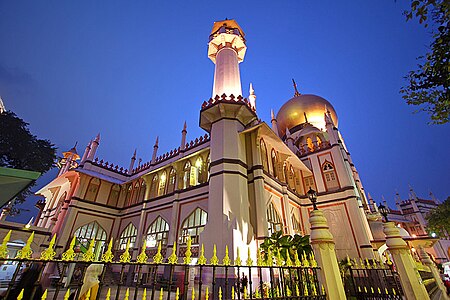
{"x": 292, "y": 113}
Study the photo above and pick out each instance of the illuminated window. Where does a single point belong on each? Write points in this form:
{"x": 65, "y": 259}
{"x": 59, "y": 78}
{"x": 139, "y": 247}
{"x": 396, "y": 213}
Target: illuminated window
{"x": 319, "y": 141}
{"x": 92, "y": 189}
{"x": 296, "y": 224}
{"x": 265, "y": 162}
{"x": 162, "y": 183}
{"x": 310, "y": 144}
{"x": 274, "y": 163}
{"x": 114, "y": 195}
{"x": 193, "y": 225}
{"x": 273, "y": 219}
{"x": 135, "y": 195}
{"x": 208, "y": 162}
{"x": 200, "y": 170}
{"x": 187, "y": 175}
{"x": 142, "y": 191}
{"x": 86, "y": 233}
{"x": 157, "y": 232}
{"x": 129, "y": 234}
{"x": 154, "y": 186}
{"x": 129, "y": 194}
{"x": 309, "y": 183}
{"x": 329, "y": 174}
{"x": 172, "y": 180}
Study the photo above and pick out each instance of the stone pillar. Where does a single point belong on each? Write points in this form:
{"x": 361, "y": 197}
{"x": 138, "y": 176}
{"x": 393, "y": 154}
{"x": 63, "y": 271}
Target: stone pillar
{"x": 412, "y": 285}
{"x": 323, "y": 245}
{"x": 426, "y": 260}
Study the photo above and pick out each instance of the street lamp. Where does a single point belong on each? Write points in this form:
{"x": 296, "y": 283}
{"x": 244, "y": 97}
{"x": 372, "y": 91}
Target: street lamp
{"x": 312, "y": 195}
{"x": 384, "y": 211}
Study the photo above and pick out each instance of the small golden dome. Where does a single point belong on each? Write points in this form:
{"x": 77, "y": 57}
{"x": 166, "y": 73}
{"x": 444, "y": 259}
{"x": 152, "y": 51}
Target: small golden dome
{"x": 293, "y": 112}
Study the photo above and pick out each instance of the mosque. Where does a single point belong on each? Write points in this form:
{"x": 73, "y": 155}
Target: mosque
{"x": 239, "y": 183}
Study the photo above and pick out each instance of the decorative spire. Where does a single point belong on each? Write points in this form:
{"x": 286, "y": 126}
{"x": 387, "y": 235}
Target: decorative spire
{"x": 156, "y": 142}
{"x": 412, "y": 194}
{"x": 306, "y": 118}
{"x": 252, "y": 96}
{"x": 183, "y": 136}
{"x": 97, "y": 138}
{"x": 272, "y": 115}
{"x": 133, "y": 160}
{"x": 296, "y": 93}
{"x": 2, "y": 106}
{"x": 274, "y": 122}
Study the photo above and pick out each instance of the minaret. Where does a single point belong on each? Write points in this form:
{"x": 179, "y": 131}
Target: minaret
{"x": 226, "y": 49}
{"x": 252, "y": 97}
{"x": 229, "y": 221}
{"x": 155, "y": 150}
{"x": 330, "y": 128}
{"x": 398, "y": 200}
{"x": 86, "y": 153}
{"x": 183, "y": 136}
{"x": 274, "y": 122}
{"x": 94, "y": 146}
{"x": 133, "y": 160}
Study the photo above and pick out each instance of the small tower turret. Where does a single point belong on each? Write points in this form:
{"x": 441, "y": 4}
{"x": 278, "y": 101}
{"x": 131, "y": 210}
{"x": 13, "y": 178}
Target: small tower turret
{"x": 183, "y": 136}
{"x": 252, "y": 97}
{"x": 155, "y": 150}
{"x": 133, "y": 160}
{"x": 94, "y": 146}
{"x": 86, "y": 152}
{"x": 290, "y": 141}
{"x": 274, "y": 122}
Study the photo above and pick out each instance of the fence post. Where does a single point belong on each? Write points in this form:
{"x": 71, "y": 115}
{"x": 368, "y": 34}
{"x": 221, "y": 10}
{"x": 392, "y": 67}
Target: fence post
{"x": 425, "y": 258}
{"x": 323, "y": 245}
{"x": 412, "y": 285}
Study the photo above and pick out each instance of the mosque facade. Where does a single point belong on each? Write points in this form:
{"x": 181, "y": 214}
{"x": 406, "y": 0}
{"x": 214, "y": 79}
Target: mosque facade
{"x": 239, "y": 183}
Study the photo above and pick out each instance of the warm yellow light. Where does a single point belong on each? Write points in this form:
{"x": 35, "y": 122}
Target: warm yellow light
{"x": 198, "y": 163}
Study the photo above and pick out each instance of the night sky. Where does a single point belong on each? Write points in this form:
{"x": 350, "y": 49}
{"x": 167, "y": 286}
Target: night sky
{"x": 135, "y": 70}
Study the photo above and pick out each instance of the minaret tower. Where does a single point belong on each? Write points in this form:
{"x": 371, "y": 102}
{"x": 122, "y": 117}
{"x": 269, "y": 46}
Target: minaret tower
{"x": 226, "y": 48}
{"x": 224, "y": 117}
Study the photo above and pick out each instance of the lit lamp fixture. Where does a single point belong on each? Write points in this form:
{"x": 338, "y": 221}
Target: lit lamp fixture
{"x": 383, "y": 211}
{"x": 312, "y": 195}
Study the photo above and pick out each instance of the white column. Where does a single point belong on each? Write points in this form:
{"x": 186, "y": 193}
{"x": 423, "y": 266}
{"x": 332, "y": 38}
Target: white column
{"x": 226, "y": 75}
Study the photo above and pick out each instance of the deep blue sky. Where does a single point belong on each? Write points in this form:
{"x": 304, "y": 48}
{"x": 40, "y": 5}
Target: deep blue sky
{"x": 134, "y": 70}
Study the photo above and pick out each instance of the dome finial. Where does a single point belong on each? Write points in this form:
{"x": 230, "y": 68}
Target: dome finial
{"x": 306, "y": 118}
{"x": 296, "y": 93}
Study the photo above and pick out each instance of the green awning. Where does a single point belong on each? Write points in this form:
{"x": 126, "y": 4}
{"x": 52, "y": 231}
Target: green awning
{"x": 13, "y": 182}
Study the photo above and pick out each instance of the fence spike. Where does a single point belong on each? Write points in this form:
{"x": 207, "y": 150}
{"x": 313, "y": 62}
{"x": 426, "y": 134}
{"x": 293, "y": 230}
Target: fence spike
{"x": 142, "y": 257}
{"x": 173, "y": 259}
{"x": 232, "y": 292}
{"x": 161, "y": 294}
{"x": 177, "y": 294}
{"x": 388, "y": 259}
{"x": 26, "y": 251}
{"x": 214, "y": 260}
{"x": 193, "y": 294}
{"x": 374, "y": 264}
{"x": 359, "y": 289}
{"x": 249, "y": 260}
{"x": 305, "y": 262}
{"x": 355, "y": 263}
{"x": 365, "y": 289}
{"x": 125, "y": 257}
{"x": 257, "y": 295}
{"x": 108, "y": 294}
{"x": 127, "y": 294}
{"x": 288, "y": 259}
{"x": 393, "y": 291}
{"x": 220, "y": 293}
{"x": 269, "y": 261}
{"x": 108, "y": 255}
{"x": 361, "y": 263}
{"x": 323, "y": 289}
{"x": 372, "y": 290}
{"x": 314, "y": 290}
{"x": 188, "y": 253}
{"x": 144, "y": 294}
{"x": 278, "y": 291}
{"x": 312, "y": 260}
{"x": 245, "y": 293}
{"x": 4, "y": 247}
{"x": 297, "y": 291}
{"x": 67, "y": 295}
{"x": 158, "y": 258}
{"x": 297, "y": 260}
{"x": 202, "y": 259}
{"x": 44, "y": 295}
{"x": 89, "y": 255}
{"x": 237, "y": 261}
{"x": 305, "y": 292}
{"x": 379, "y": 290}
{"x": 279, "y": 260}
{"x": 226, "y": 260}
{"x": 259, "y": 259}
{"x": 49, "y": 253}
{"x": 288, "y": 291}
{"x": 69, "y": 254}
{"x": 386, "y": 291}
{"x": 20, "y": 296}
{"x": 207, "y": 293}
{"x": 368, "y": 264}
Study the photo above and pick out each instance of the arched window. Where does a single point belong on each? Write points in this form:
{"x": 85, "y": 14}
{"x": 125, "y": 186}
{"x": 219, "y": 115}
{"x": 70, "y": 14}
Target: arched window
{"x": 128, "y": 234}
{"x": 310, "y": 144}
{"x": 162, "y": 184}
{"x": 86, "y": 233}
{"x": 329, "y": 174}
{"x": 187, "y": 175}
{"x": 114, "y": 195}
{"x": 154, "y": 186}
{"x": 193, "y": 225}
{"x": 135, "y": 193}
{"x": 129, "y": 194}
{"x": 265, "y": 162}
{"x": 172, "y": 181}
{"x": 92, "y": 189}
{"x": 157, "y": 232}
{"x": 273, "y": 219}
{"x": 142, "y": 191}
{"x": 274, "y": 163}
{"x": 296, "y": 224}
{"x": 200, "y": 170}
{"x": 319, "y": 141}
